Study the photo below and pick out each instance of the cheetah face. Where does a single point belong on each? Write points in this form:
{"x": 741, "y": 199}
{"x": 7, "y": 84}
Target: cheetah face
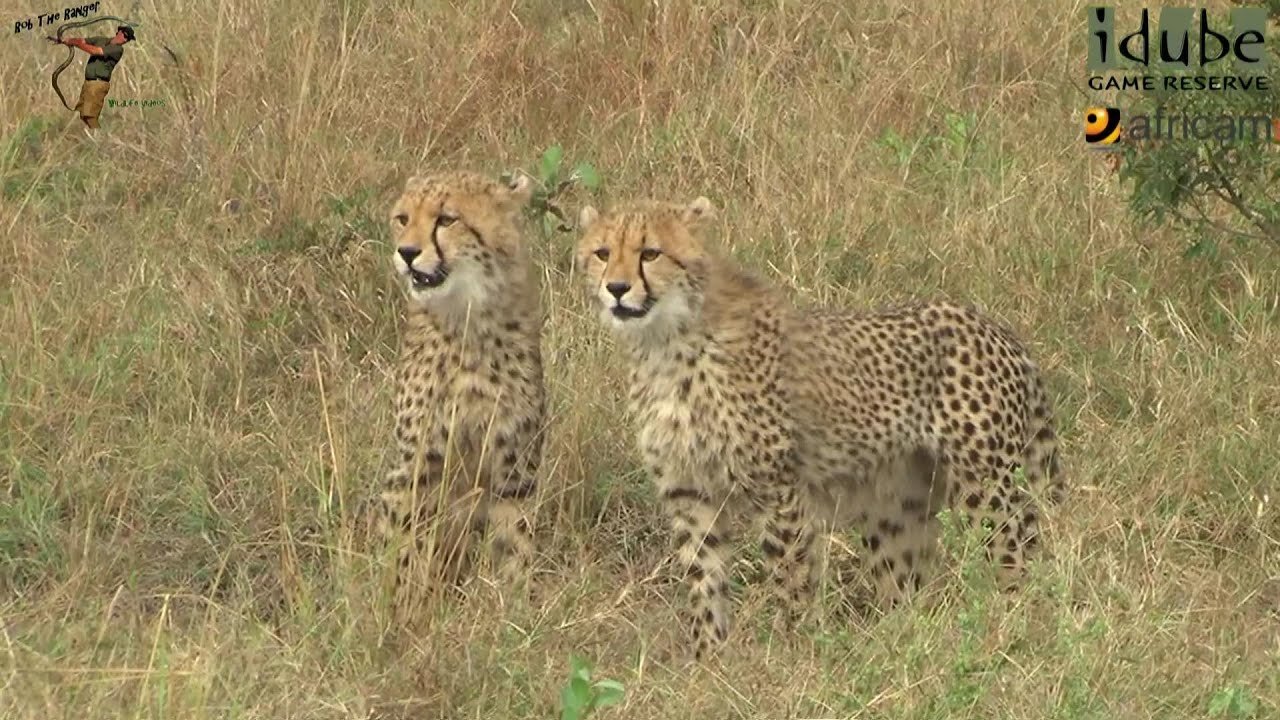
{"x": 643, "y": 264}
{"x": 454, "y": 235}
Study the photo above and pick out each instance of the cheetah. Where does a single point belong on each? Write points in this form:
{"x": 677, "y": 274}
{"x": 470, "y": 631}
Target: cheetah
{"x": 805, "y": 418}
{"x": 470, "y": 405}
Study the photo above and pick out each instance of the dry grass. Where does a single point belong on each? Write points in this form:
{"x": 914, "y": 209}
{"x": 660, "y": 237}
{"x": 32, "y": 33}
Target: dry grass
{"x": 192, "y": 398}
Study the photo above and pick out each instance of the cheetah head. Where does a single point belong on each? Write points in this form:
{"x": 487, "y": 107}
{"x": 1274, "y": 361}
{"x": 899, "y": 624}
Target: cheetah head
{"x": 645, "y": 263}
{"x": 457, "y": 237}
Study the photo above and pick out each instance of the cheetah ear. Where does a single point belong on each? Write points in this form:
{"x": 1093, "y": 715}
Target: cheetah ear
{"x": 587, "y": 217}
{"x": 699, "y": 211}
{"x": 520, "y": 187}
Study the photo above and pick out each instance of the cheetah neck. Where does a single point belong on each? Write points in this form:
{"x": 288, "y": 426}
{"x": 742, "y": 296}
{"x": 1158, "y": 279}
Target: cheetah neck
{"x": 473, "y": 328}
{"x": 472, "y": 334}
{"x": 724, "y": 319}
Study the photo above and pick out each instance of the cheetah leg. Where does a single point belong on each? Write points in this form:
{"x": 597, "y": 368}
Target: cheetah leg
{"x": 1016, "y": 523}
{"x": 510, "y": 515}
{"x": 992, "y": 492}
{"x": 1012, "y": 517}
{"x": 701, "y": 536}
{"x": 1017, "y": 512}
{"x": 1044, "y": 475}
{"x": 430, "y": 549}
{"x": 900, "y": 553}
{"x": 901, "y": 533}
{"x": 392, "y": 524}
{"x": 787, "y": 546}
{"x": 512, "y": 533}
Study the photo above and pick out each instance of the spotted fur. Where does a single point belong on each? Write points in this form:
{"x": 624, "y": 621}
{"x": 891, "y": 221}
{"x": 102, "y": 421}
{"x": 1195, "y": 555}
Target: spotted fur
{"x": 811, "y": 418}
{"x": 470, "y": 398}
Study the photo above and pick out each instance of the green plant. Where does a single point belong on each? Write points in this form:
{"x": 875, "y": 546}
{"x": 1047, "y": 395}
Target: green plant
{"x": 346, "y": 220}
{"x": 1222, "y": 186}
{"x": 545, "y": 206}
{"x": 25, "y": 144}
{"x": 971, "y": 667}
{"x": 946, "y": 153}
{"x": 1235, "y": 702}
{"x": 580, "y": 696}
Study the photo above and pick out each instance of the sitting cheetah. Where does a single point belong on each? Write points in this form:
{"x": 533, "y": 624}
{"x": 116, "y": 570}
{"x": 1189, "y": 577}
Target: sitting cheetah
{"x": 470, "y": 403}
{"x": 810, "y": 417}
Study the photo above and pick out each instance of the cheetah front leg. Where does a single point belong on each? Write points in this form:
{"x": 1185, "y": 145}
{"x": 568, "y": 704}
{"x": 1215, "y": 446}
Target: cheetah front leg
{"x": 701, "y": 536}
{"x": 391, "y": 520}
{"x": 787, "y": 546}
{"x": 1009, "y": 511}
{"x": 900, "y": 545}
{"x": 510, "y": 511}
{"x": 428, "y": 545}
{"x": 901, "y": 532}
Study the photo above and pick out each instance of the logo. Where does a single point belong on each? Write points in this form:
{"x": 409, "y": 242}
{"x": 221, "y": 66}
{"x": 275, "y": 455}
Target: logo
{"x": 1101, "y": 127}
{"x": 1224, "y": 128}
{"x": 1183, "y": 41}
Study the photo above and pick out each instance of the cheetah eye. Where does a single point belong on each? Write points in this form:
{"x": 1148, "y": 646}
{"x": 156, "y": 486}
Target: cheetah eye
{"x": 602, "y": 253}
{"x": 650, "y": 254}
{"x": 446, "y": 220}
{"x": 402, "y": 219}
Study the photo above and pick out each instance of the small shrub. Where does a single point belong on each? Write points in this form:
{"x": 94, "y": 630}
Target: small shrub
{"x": 580, "y": 697}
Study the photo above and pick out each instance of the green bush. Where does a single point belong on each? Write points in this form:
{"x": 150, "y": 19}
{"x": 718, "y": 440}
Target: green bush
{"x": 1225, "y": 187}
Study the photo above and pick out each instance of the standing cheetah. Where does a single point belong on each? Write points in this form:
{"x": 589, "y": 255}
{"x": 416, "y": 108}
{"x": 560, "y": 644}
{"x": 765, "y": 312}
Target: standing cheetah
{"x": 469, "y": 401}
{"x": 811, "y": 417}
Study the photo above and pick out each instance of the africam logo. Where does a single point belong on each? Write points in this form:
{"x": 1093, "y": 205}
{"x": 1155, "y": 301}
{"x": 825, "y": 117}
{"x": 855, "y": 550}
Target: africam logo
{"x": 1102, "y": 127}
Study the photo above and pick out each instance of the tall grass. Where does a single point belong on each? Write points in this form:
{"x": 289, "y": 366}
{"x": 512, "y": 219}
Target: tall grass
{"x": 198, "y": 326}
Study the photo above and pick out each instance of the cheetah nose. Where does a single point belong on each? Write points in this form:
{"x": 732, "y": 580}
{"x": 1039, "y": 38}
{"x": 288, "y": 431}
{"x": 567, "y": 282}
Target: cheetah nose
{"x": 408, "y": 253}
{"x": 618, "y": 289}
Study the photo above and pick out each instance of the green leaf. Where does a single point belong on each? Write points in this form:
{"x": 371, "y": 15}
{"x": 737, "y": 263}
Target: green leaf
{"x": 581, "y": 689}
{"x": 551, "y": 160}
{"x": 1219, "y": 703}
{"x": 1234, "y": 703}
{"x": 608, "y": 692}
{"x": 570, "y": 704}
{"x": 587, "y": 175}
{"x": 1202, "y": 246}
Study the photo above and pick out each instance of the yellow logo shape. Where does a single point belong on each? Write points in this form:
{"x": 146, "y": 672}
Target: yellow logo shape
{"x": 1101, "y": 125}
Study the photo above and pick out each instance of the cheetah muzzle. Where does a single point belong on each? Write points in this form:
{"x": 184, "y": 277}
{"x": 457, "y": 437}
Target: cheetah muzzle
{"x": 622, "y": 312}
{"x": 425, "y": 281}
{"x": 419, "y": 280}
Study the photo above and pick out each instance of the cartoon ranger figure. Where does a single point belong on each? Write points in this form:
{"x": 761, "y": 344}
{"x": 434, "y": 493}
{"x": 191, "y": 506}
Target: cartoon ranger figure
{"x": 104, "y": 54}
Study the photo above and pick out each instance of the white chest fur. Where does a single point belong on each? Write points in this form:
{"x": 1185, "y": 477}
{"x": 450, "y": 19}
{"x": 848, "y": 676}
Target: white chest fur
{"x": 684, "y": 417}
